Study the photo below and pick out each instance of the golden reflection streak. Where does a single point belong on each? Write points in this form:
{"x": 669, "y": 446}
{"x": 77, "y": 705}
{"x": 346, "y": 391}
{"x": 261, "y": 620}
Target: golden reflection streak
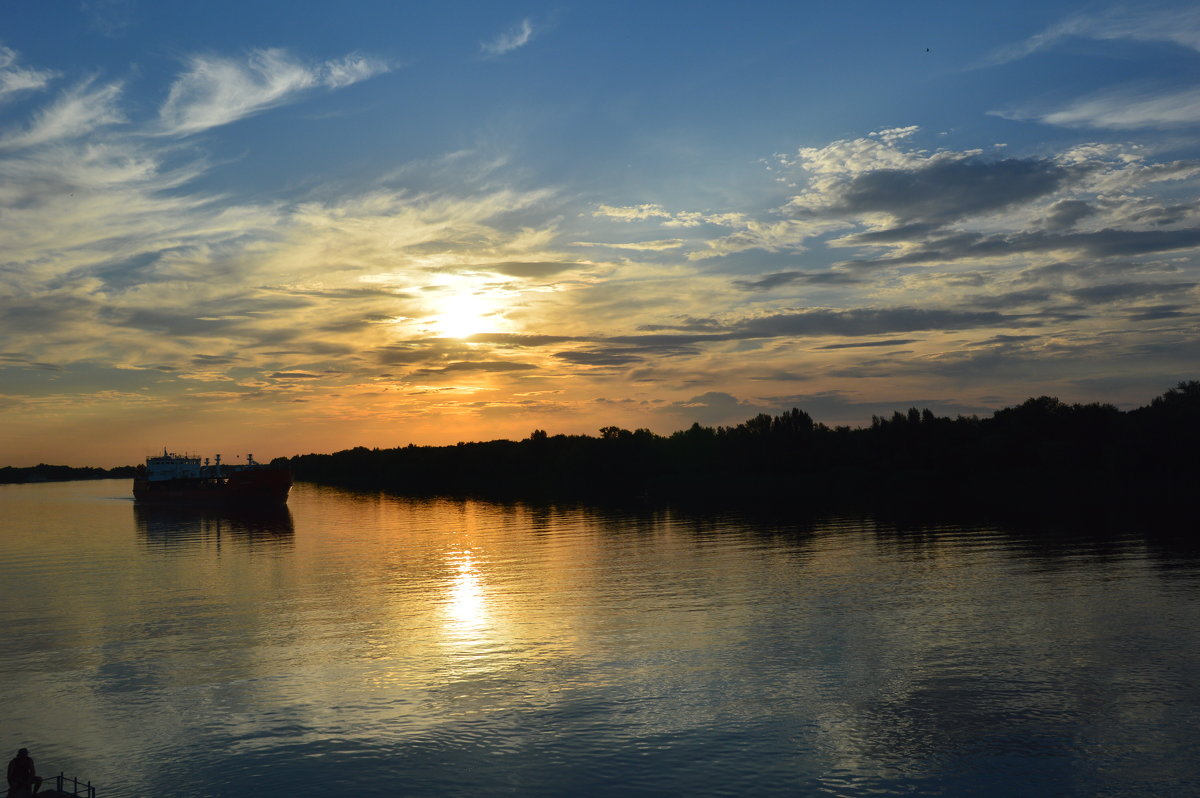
{"x": 467, "y": 603}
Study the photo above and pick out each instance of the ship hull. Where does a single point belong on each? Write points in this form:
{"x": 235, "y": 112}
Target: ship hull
{"x": 258, "y": 486}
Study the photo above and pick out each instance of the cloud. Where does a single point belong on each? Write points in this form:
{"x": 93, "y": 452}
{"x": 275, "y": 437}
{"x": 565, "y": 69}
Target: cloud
{"x": 601, "y": 358}
{"x": 851, "y": 322}
{"x": 465, "y": 366}
{"x": 1126, "y": 107}
{"x": 1178, "y": 26}
{"x": 871, "y": 344}
{"x": 767, "y": 282}
{"x": 647, "y": 347}
{"x": 1104, "y": 243}
{"x": 1065, "y": 214}
{"x": 630, "y": 213}
{"x": 1092, "y": 200}
{"x": 1088, "y": 295}
{"x": 775, "y": 236}
{"x": 350, "y": 69}
{"x": 1160, "y": 312}
{"x": 896, "y": 195}
{"x": 215, "y": 90}
{"x": 107, "y": 238}
{"x": 117, "y": 258}
{"x": 634, "y": 213}
{"x": 517, "y": 36}
{"x": 520, "y": 340}
{"x": 713, "y": 407}
{"x": 935, "y": 191}
{"x": 845, "y": 407}
{"x": 529, "y": 268}
{"x": 848, "y": 157}
{"x": 14, "y": 78}
{"x": 866, "y": 321}
{"x": 1123, "y": 108}
{"x": 44, "y": 314}
{"x": 661, "y": 245}
{"x": 686, "y": 323}
{"x": 77, "y": 112}
{"x": 764, "y": 340}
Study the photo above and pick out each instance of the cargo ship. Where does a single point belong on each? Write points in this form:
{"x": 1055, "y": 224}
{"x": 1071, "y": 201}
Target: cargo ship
{"x": 183, "y": 479}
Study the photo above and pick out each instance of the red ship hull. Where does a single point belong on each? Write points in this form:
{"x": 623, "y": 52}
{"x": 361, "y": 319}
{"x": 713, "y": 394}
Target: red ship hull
{"x": 251, "y": 486}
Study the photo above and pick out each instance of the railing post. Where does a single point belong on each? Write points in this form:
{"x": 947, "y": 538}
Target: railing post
{"x": 60, "y": 782}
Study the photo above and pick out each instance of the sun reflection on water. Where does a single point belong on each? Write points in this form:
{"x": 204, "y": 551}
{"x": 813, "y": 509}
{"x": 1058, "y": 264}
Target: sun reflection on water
{"x": 466, "y": 606}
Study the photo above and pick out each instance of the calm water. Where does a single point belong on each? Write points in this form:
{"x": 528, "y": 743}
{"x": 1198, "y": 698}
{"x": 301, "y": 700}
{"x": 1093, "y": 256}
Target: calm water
{"x": 381, "y": 646}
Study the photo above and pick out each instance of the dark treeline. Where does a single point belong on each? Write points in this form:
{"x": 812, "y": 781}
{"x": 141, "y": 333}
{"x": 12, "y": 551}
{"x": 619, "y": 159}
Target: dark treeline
{"x": 61, "y": 473}
{"x": 1042, "y": 447}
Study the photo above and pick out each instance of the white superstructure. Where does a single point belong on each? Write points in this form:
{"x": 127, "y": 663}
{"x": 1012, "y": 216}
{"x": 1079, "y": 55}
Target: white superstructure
{"x": 172, "y": 466}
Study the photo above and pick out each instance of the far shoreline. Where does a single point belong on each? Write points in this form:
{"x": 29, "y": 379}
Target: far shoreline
{"x": 1043, "y": 456}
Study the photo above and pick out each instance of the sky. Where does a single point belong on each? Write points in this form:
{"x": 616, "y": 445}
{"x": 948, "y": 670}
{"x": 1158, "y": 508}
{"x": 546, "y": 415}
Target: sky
{"x": 279, "y": 228}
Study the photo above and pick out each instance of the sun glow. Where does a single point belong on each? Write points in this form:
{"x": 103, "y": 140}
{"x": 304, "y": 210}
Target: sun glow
{"x": 464, "y": 314}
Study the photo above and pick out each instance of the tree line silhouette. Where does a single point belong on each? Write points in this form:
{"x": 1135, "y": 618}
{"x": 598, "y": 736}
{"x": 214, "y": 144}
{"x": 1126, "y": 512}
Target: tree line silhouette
{"x": 1042, "y": 447}
{"x": 61, "y": 473}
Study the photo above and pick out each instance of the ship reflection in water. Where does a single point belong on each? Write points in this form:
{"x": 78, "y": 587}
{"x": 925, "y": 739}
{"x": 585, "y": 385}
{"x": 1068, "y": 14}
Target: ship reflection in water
{"x": 171, "y": 525}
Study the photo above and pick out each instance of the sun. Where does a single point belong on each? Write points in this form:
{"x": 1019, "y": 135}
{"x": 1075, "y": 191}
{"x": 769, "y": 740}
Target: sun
{"x": 464, "y": 314}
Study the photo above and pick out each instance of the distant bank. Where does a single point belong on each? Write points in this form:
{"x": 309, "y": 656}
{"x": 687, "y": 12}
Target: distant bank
{"x": 61, "y": 473}
{"x": 1043, "y": 451}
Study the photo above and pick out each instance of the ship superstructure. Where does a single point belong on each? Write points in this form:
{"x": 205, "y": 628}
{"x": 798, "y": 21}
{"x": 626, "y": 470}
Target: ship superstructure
{"x": 183, "y": 479}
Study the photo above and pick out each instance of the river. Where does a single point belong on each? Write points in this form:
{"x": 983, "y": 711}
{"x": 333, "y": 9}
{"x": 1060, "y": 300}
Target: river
{"x": 368, "y": 645}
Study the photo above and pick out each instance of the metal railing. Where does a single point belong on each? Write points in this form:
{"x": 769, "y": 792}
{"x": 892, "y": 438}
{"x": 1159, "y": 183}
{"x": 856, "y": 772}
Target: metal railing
{"x": 64, "y": 785}
{"x": 77, "y": 789}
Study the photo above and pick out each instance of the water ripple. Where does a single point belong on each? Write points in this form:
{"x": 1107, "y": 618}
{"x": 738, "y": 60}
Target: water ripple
{"x": 379, "y": 646}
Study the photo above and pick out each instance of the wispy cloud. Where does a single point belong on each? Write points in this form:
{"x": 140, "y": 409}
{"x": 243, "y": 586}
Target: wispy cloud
{"x": 770, "y": 281}
{"x": 787, "y": 235}
{"x": 629, "y": 213}
{"x": 1123, "y": 108}
{"x": 216, "y": 90}
{"x": 659, "y": 245}
{"x": 340, "y": 72}
{"x": 14, "y": 78}
{"x": 518, "y": 36}
{"x": 1171, "y": 103}
{"x": 1179, "y": 26}
{"x": 77, "y": 111}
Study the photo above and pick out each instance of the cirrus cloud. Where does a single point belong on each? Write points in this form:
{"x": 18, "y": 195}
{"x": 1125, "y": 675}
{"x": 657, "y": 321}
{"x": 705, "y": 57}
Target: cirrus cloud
{"x": 518, "y": 36}
{"x": 15, "y": 78}
{"x": 1122, "y": 108}
{"x": 217, "y": 90}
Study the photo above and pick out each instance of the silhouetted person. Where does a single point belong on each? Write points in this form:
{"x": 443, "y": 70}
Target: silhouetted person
{"x": 22, "y": 775}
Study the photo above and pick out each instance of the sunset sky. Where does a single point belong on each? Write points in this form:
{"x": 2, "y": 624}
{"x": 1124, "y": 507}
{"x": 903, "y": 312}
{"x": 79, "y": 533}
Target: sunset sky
{"x": 296, "y": 227}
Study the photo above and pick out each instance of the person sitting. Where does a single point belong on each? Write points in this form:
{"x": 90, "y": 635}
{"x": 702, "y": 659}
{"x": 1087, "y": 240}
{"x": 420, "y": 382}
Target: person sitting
{"x": 22, "y": 775}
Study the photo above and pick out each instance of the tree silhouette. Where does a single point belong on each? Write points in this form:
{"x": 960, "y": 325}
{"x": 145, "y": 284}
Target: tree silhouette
{"x": 1041, "y": 446}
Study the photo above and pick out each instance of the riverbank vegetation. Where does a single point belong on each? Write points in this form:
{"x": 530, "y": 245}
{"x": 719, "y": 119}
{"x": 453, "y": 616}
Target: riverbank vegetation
{"x": 1041, "y": 448}
{"x": 61, "y": 473}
